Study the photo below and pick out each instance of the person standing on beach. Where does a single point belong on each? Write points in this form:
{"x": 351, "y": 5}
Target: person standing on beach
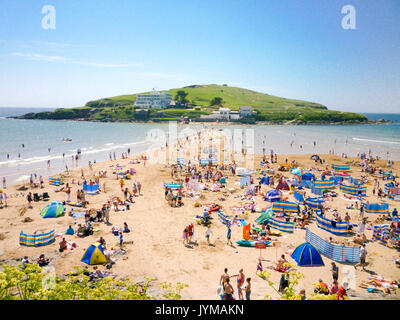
{"x": 4, "y": 183}
{"x": 228, "y": 235}
{"x": 224, "y": 276}
{"x": 228, "y": 290}
{"x": 248, "y": 289}
{"x": 29, "y": 198}
{"x": 363, "y": 256}
{"x": 335, "y": 272}
{"x": 240, "y": 282}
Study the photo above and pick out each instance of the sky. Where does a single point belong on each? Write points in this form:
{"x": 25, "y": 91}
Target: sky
{"x": 288, "y": 48}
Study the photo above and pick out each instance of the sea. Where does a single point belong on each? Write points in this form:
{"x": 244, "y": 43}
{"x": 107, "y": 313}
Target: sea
{"x": 27, "y": 145}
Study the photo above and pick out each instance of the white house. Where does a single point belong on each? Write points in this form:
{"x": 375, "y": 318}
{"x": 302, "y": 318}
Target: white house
{"x": 224, "y": 114}
{"x": 158, "y": 100}
{"x": 246, "y": 111}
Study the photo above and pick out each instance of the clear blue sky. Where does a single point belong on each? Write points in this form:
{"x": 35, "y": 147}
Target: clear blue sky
{"x": 294, "y": 49}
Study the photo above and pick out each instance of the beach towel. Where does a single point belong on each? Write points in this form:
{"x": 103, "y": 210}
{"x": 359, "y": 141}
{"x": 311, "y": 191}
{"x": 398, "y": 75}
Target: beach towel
{"x": 78, "y": 214}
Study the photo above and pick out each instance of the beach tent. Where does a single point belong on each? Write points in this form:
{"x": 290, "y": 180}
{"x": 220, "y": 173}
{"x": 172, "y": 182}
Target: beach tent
{"x": 272, "y": 196}
{"x": 53, "y": 210}
{"x": 337, "y": 179}
{"x": 282, "y": 185}
{"x": 94, "y": 255}
{"x": 265, "y": 216}
{"x": 299, "y": 197}
{"x": 307, "y": 256}
{"x": 308, "y": 176}
{"x": 264, "y": 180}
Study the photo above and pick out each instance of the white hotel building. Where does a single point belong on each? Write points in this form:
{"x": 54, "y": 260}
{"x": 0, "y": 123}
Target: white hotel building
{"x": 157, "y": 100}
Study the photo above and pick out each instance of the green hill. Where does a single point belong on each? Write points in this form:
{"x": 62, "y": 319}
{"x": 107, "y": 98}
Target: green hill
{"x": 268, "y": 108}
{"x": 202, "y": 95}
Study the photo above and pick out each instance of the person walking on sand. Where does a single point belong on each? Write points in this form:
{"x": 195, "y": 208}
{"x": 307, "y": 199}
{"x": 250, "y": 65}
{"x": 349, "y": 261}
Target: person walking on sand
{"x": 4, "y": 183}
{"x": 185, "y": 236}
{"x": 190, "y": 232}
{"x": 139, "y": 187}
{"x": 208, "y": 234}
{"x": 259, "y": 266}
{"x": 229, "y": 235}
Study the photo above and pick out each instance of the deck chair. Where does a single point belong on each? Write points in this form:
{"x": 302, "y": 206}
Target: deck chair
{"x": 45, "y": 196}
{"x": 36, "y": 197}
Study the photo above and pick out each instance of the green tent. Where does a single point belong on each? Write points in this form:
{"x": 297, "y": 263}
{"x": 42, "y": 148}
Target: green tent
{"x": 53, "y": 210}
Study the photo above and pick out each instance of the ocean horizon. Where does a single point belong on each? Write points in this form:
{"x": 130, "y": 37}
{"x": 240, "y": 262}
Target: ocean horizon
{"x": 97, "y": 139}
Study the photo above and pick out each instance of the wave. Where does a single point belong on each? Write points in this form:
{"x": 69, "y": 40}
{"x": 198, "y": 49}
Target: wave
{"x": 85, "y": 151}
{"x": 378, "y": 141}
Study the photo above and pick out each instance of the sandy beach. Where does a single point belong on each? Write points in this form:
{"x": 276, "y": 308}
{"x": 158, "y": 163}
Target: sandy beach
{"x": 154, "y": 246}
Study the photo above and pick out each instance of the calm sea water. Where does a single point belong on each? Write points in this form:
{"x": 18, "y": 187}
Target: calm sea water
{"x": 96, "y": 140}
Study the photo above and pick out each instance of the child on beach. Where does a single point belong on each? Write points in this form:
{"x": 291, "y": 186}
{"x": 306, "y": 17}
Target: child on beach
{"x": 259, "y": 266}
{"x": 208, "y": 234}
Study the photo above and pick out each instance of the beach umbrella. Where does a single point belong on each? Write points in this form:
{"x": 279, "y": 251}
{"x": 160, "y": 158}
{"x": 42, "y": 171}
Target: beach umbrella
{"x": 53, "y": 210}
{"x": 306, "y": 255}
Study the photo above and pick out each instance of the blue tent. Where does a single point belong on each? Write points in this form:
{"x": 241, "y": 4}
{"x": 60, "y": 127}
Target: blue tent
{"x": 94, "y": 255}
{"x": 308, "y": 176}
{"x": 264, "y": 180}
{"x": 307, "y": 256}
{"x": 272, "y": 196}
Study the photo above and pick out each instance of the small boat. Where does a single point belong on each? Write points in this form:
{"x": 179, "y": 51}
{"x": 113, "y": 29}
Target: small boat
{"x": 66, "y": 139}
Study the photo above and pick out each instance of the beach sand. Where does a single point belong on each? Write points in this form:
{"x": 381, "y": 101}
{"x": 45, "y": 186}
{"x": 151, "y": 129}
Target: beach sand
{"x": 157, "y": 250}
